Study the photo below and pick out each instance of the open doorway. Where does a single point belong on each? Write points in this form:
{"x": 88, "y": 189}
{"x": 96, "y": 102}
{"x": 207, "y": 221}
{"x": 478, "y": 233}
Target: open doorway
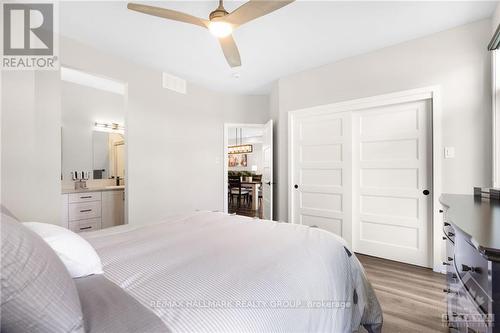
{"x": 248, "y": 169}
{"x": 93, "y": 151}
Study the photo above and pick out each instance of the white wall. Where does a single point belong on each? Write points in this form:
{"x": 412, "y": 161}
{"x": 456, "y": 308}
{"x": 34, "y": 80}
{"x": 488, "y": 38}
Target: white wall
{"x": 31, "y": 145}
{"x": 456, "y": 59}
{"x": 174, "y": 141}
{"x": 81, "y": 107}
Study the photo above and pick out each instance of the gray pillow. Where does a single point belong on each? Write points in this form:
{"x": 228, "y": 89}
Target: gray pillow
{"x": 37, "y": 292}
{"x": 108, "y": 308}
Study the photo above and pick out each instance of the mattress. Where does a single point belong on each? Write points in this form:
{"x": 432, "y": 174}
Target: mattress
{"x": 214, "y": 272}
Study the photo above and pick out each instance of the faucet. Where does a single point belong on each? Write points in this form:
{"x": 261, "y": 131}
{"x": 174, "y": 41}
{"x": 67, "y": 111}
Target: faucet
{"x": 80, "y": 182}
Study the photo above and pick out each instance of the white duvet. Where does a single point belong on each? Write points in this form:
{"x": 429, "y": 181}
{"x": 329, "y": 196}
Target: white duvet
{"x": 213, "y": 272}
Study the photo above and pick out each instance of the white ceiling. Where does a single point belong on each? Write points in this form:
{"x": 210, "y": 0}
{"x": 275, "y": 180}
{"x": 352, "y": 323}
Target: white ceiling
{"x": 302, "y": 35}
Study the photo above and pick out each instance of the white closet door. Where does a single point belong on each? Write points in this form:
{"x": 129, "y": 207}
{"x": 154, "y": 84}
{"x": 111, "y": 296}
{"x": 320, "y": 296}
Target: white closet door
{"x": 392, "y": 166}
{"x": 321, "y": 172}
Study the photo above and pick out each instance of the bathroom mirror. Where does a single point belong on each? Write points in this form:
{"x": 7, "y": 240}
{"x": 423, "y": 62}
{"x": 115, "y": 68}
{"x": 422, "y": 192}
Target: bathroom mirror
{"x": 92, "y": 133}
{"x": 108, "y": 155}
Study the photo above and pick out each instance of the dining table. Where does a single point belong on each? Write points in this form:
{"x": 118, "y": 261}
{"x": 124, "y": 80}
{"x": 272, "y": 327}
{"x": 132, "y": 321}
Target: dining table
{"x": 254, "y": 185}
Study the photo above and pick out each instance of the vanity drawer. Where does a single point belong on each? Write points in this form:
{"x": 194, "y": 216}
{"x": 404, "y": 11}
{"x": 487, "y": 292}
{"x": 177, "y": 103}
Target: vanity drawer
{"x": 84, "y": 197}
{"x": 85, "y": 225}
{"x": 84, "y": 210}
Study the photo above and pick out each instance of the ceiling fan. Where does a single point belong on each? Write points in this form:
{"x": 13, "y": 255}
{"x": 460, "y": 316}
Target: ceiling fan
{"x": 220, "y": 23}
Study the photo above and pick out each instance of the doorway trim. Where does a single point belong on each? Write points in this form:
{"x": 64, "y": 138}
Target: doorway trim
{"x": 434, "y": 94}
{"x": 226, "y": 158}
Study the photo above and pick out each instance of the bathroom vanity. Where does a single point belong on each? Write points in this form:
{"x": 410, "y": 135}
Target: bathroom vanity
{"x": 93, "y": 208}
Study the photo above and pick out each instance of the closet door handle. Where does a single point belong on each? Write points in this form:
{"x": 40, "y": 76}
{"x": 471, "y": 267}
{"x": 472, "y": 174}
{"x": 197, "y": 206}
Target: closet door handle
{"x": 426, "y": 192}
{"x": 296, "y": 186}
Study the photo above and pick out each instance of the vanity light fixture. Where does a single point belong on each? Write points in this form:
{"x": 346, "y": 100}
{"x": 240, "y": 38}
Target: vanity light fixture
{"x": 109, "y": 127}
{"x": 240, "y": 148}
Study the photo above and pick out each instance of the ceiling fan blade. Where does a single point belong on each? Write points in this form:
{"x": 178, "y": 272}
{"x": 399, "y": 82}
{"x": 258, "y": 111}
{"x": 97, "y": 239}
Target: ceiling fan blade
{"x": 254, "y": 9}
{"x": 168, "y": 14}
{"x": 230, "y": 51}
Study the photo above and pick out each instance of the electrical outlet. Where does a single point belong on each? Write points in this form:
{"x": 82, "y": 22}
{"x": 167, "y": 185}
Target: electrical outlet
{"x": 449, "y": 152}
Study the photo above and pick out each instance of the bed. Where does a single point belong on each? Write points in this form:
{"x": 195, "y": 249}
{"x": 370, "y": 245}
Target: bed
{"x": 214, "y": 272}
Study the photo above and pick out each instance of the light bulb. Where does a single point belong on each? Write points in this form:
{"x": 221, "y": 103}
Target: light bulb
{"x": 220, "y": 29}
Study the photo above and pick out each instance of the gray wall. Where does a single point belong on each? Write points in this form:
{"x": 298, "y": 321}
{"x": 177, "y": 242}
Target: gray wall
{"x": 31, "y": 145}
{"x": 174, "y": 141}
{"x": 456, "y": 60}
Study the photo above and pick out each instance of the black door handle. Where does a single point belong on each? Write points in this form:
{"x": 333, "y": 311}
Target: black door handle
{"x": 296, "y": 186}
{"x": 268, "y": 183}
{"x": 426, "y": 192}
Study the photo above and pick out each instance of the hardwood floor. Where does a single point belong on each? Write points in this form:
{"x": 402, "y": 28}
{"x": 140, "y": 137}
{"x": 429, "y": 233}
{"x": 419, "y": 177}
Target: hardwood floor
{"x": 411, "y": 297}
{"x": 244, "y": 209}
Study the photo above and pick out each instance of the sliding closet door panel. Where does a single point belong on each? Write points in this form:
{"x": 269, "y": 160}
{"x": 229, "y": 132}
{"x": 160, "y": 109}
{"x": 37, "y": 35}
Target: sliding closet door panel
{"x": 391, "y": 170}
{"x": 321, "y": 179}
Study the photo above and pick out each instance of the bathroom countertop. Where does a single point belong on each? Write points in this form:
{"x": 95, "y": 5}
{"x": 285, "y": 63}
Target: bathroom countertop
{"x": 93, "y": 189}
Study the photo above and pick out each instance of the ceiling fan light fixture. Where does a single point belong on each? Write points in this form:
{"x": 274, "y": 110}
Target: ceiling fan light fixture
{"x": 220, "y": 29}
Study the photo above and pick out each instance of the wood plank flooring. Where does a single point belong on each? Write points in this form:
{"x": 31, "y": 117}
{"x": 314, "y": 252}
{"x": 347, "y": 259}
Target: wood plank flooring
{"x": 244, "y": 209}
{"x": 411, "y": 297}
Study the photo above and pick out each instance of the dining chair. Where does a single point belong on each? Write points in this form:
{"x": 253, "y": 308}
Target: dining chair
{"x": 235, "y": 189}
{"x": 258, "y": 179}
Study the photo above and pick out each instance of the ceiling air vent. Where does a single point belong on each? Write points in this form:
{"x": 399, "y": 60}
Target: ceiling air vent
{"x": 174, "y": 83}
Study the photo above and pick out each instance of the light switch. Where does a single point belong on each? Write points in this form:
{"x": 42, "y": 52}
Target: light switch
{"x": 449, "y": 152}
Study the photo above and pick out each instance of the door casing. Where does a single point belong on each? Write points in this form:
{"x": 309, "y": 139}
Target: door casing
{"x": 227, "y": 126}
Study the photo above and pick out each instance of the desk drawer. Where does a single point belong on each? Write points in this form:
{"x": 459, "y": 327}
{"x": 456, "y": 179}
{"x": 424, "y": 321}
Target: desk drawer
{"x": 84, "y": 210}
{"x": 85, "y": 225}
{"x": 84, "y": 197}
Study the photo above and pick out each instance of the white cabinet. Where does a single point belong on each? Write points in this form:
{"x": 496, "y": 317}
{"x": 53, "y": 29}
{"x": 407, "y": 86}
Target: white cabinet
{"x": 112, "y": 208}
{"x": 88, "y": 211}
{"x": 84, "y": 210}
{"x": 84, "y": 197}
{"x": 85, "y": 225}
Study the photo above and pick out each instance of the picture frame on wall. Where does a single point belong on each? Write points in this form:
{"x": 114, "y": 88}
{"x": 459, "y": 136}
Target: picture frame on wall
{"x": 237, "y": 160}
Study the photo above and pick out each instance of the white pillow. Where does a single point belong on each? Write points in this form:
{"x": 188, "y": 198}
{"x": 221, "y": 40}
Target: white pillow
{"x": 76, "y": 253}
